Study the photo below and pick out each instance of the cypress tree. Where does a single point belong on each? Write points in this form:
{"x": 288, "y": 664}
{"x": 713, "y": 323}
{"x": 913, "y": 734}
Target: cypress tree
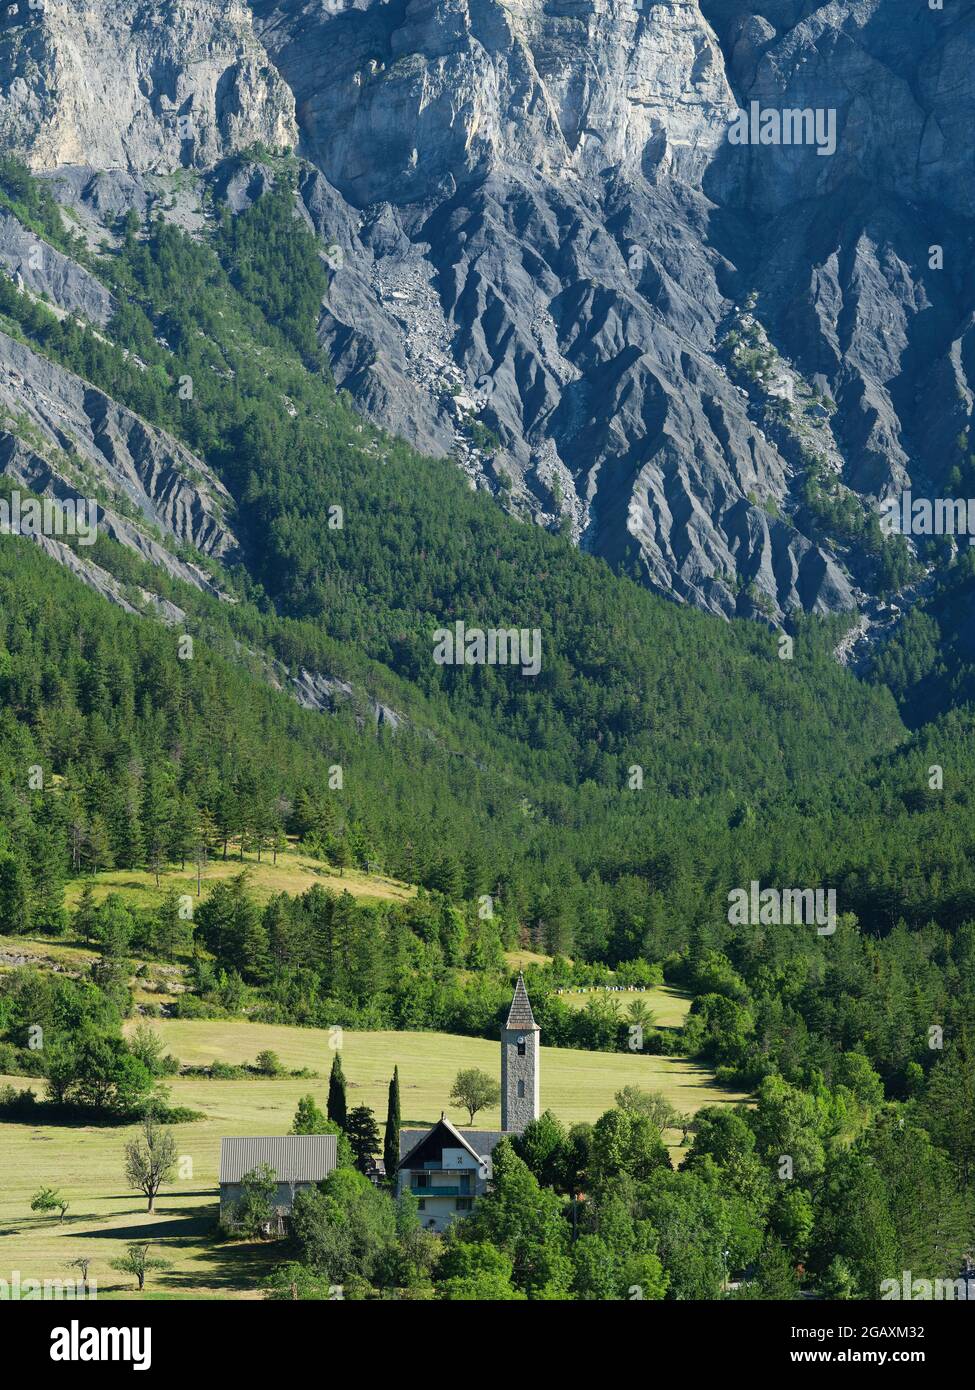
{"x": 391, "y": 1138}
{"x": 336, "y": 1109}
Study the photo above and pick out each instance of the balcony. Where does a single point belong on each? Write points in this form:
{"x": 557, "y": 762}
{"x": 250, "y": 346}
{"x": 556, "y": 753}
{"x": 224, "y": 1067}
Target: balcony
{"x": 441, "y": 1191}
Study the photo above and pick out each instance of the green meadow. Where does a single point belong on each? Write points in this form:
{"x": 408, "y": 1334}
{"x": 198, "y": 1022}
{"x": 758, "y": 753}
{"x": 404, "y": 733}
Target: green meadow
{"x": 85, "y": 1161}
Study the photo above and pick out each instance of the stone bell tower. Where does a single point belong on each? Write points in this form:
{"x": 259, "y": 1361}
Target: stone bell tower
{"x": 520, "y": 1057}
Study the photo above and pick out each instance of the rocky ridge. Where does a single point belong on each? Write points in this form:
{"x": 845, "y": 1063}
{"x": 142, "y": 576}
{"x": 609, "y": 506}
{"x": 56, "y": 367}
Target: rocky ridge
{"x": 540, "y": 234}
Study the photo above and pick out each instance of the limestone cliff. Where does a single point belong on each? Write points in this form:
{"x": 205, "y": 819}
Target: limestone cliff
{"x": 136, "y": 84}
{"x": 551, "y": 263}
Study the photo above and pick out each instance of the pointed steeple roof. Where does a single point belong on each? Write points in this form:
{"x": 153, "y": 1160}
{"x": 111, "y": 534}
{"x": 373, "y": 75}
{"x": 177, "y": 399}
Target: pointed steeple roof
{"x": 520, "y": 1016}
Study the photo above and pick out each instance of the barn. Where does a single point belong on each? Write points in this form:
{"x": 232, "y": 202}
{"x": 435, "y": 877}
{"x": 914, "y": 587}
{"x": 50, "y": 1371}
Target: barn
{"x": 297, "y": 1160}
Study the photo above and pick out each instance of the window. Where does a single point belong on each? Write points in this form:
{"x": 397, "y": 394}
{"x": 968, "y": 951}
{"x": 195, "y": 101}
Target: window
{"x": 464, "y": 1203}
{"x": 521, "y": 1090}
{"x": 421, "y": 1204}
{"x": 421, "y": 1179}
{"x": 521, "y": 1047}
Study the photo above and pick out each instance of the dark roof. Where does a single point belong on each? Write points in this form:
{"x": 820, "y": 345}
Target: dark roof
{"x": 478, "y": 1142}
{"x": 520, "y": 1014}
{"x": 294, "y": 1157}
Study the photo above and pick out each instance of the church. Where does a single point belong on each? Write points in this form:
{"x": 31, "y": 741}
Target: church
{"x": 447, "y": 1168}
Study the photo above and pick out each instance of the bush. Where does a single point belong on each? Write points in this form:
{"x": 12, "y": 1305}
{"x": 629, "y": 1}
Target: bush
{"x": 17, "y": 1105}
{"x": 188, "y": 1006}
{"x": 268, "y": 1063}
{"x": 178, "y": 1115}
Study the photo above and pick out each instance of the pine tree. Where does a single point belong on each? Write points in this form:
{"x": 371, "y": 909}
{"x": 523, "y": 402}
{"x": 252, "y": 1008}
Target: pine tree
{"x": 85, "y": 913}
{"x": 279, "y": 843}
{"x": 125, "y": 826}
{"x": 205, "y": 838}
{"x": 949, "y": 1106}
{"x": 47, "y": 871}
{"x": 340, "y": 855}
{"x": 775, "y": 1275}
{"x": 262, "y": 824}
{"x": 227, "y": 816}
{"x": 76, "y": 828}
{"x": 446, "y": 877}
{"x": 156, "y": 814}
{"x": 337, "y": 1108}
{"x": 171, "y": 931}
{"x": 15, "y": 917}
{"x": 303, "y": 815}
{"x": 391, "y": 1137}
{"x": 363, "y": 1135}
{"x": 182, "y": 831}
{"x": 98, "y": 845}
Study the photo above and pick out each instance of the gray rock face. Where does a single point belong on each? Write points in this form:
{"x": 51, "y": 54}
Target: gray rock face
{"x": 61, "y": 436}
{"x": 541, "y": 236}
{"x": 541, "y": 215}
{"x": 39, "y": 268}
{"x": 841, "y": 247}
{"x": 97, "y": 198}
{"x": 533, "y": 251}
{"x": 445, "y": 90}
{"x": 106, "y": 584}
{"x": 313, "y": 690}
{"x": 136, "y": 84}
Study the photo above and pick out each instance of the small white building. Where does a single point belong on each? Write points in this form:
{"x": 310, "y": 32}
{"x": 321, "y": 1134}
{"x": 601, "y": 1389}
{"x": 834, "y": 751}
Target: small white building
{"x": 445, "y": 1169}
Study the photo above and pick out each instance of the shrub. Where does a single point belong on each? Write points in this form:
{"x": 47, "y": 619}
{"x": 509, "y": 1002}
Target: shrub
{"x": 16, "y": 1105}
{"x": 268, "y": 1063}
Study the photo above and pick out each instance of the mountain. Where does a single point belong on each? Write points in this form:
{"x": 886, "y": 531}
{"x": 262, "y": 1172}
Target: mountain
{"x": 362, "y": 326}
{"x": 177, "y": 312}
{"x": 711, "y": 360}
{"x": 137, "y": 85}
{"x": 660, "y": 757}
{"x": 706, "y": 362}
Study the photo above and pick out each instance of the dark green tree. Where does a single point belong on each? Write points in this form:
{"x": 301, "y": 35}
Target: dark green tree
{"x": 391, "y": 1134}
{"x": 362, "y": 1133}
{"x": 337, "y": 1106}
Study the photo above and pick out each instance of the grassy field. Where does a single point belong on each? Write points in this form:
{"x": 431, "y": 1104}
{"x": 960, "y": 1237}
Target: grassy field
{"x": 29, "y": 950}
{"x": 522, "y": 959}
{"x": 293, "y": 873}
{"x": 155, "y": 987}
{"x": 668, "y": 1005}
{"x": 85, "y": 1162}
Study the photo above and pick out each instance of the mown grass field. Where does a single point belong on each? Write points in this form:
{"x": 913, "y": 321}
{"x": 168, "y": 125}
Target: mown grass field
{"x": 293, "y": 873}
{"x": 668, "y": 1005}
{"x": 85, "y": 1162}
